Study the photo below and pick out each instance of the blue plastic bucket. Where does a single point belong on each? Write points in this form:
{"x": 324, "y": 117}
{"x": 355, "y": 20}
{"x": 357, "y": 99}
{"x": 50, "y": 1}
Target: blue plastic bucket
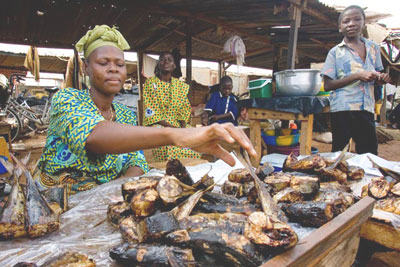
{"x": 2, "y": 168}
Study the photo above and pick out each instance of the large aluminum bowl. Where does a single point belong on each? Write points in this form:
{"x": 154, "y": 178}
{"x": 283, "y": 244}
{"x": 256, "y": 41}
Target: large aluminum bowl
{"x": 301, "y": 82}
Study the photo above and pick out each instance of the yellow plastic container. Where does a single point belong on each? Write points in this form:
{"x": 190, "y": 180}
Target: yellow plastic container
{"x": 287, "y": 140}
{"x": 270, "y": 132}
{"x": 286, "y": 131}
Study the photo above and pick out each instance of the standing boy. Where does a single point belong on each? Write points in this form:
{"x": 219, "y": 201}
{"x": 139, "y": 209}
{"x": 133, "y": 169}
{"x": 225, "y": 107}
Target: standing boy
{"x": 350, "y": 72}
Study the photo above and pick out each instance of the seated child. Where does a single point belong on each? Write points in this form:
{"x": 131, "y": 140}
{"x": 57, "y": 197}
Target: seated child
{"x": 221, "y": 107}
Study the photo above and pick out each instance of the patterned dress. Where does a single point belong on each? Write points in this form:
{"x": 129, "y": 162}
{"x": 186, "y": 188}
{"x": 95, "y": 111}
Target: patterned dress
{"x": 65, "y": 160}
{"x": 168, "y": 102}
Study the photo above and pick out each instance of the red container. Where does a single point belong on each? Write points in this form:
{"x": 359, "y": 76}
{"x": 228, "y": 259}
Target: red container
{"x": 285, "y": 150}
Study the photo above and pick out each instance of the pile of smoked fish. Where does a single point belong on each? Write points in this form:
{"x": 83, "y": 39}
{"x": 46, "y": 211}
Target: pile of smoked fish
{"x": 384, "y": 190}
{"x": 172, "y": 221}
{"x": 26, "y": 212}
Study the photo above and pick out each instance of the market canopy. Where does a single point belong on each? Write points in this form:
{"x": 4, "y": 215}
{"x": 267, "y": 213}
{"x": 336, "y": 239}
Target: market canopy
{"x": 154, "y": 26}
{"x": 48, "y": 63}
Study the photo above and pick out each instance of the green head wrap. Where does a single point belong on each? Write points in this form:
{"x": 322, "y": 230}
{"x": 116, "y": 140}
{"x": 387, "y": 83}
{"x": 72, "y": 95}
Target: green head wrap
{"x": 101, "y": 36}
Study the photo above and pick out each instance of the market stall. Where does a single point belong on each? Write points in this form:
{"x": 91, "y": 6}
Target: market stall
{"x": 84, "y": 228}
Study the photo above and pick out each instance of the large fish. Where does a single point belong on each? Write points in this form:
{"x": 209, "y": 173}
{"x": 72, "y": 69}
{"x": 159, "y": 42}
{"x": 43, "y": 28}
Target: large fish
{"x": 267, "y": 228}
{"x": 184, "y": 209}
{"x": 144, "y": 202}
{"x": 70, "y": 259}
{"x": 231, "y": 247}
{"x": 129, "y": 189}
{"x": 309, "y": 213}
{"x": 333, "y": 172}
{"x": 378, "y": 188}
{"x": 288, "y": 195}
{"x": 306, "y": 165}
{"x": 237, "y": 189}
{"x": 129, "y": 230}
{"x": 217, "y": 198}
{"x": 152, "y": 255}
{"x": 12, "y": 217}
{"x": 229, "y": 222}
{"x": 279, "y": 181}
{"x": 57, "y": 195}
{"x": 171, "y": 189}
{"x": 40, "y": 218}
{"x": 117, "y": 211}
{"x": 340, "y": 200}
{"x": 208, "y": 207}
{"x": 158, "y": 225}
{"x": 308, "y": 186}
{"x": 176, "y": 168}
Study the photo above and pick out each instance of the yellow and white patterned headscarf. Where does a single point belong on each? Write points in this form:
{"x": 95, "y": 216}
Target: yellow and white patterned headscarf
{"x": 101, "y": 35}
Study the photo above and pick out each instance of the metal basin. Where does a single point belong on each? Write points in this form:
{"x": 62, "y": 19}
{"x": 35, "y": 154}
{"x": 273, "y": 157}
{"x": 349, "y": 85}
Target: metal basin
{"x": 301, "y": 82}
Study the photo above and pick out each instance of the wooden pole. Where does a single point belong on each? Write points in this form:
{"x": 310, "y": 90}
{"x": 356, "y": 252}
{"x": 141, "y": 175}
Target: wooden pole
{"x": 383, "y": 107}
{"x": 221, "y": 70}
{"x": 140, "y": 81}
{"x": 295, "y": 17}
{"x": 189, "y": 52}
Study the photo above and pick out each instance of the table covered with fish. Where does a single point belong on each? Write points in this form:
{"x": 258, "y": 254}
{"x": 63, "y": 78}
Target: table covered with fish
{"x": 205, "y": 215}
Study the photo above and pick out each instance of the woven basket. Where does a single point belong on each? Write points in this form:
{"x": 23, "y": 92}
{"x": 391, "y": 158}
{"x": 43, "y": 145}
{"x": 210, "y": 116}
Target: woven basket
{"x": 197, "y": 97}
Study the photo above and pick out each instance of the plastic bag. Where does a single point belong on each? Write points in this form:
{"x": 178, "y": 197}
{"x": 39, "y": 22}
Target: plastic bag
{"x": 236, "y": 47}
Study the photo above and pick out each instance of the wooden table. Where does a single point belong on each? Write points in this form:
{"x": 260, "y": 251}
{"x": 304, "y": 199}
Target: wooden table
{"x": 382, "y": 233}
{"x": 258, "y": 114}
{"x": 333, "y": 244}
{"x": 5, "y": 129}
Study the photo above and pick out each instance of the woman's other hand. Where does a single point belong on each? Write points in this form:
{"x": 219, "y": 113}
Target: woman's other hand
{"x": 208, "y": 140}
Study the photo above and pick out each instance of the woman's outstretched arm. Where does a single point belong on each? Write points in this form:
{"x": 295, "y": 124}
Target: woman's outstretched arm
{"x": 113, "y": 138}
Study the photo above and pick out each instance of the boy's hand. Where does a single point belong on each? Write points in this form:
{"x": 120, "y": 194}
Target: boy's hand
{"x": 368, "y": 76}
{"x": 383, "y": 78}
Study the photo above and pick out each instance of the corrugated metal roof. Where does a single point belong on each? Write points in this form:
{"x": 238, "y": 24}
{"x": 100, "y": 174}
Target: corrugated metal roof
{"x": 158, "y": 25}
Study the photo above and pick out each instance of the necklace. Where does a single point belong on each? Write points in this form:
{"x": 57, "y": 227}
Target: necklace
{"x": 111, "y": 112}
{"x": 98, "y": 110}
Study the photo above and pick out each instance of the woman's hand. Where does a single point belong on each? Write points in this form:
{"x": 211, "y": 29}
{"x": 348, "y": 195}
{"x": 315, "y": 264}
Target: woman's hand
{"x": 208, "y": 140}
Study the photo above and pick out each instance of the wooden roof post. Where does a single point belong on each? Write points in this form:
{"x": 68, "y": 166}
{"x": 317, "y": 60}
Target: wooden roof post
{"x": 295, "y": 17}
{"x": 221, "y": 70}
{"x": 189, "y": 51}
{"x": 383, "y": 107}
{"x": 140, "y": 82}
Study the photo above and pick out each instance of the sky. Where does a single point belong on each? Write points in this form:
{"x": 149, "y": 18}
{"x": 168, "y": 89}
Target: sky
{"x": 382, "y": 6}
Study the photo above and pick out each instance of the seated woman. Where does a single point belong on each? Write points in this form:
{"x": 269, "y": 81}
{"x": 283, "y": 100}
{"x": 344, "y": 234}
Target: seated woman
{"x": 91, "y": 140}
{"x": 221, "y": 107}
{"x": 165, "y": 104}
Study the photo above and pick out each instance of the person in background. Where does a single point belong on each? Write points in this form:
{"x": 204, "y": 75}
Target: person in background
{"x": 166, "y": 105}
{"x": 92, "y": 140}
{"x": 350, "y": 71}
{"x": 221, "y": 107}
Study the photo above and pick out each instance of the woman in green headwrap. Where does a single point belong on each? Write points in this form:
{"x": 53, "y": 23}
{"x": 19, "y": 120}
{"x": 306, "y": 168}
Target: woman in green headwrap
{"x": 92, "y": 140}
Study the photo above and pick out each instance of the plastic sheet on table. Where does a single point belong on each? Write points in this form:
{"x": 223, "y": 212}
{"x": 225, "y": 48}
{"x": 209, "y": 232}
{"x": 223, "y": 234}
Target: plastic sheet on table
{"x": 84, "y": 227}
